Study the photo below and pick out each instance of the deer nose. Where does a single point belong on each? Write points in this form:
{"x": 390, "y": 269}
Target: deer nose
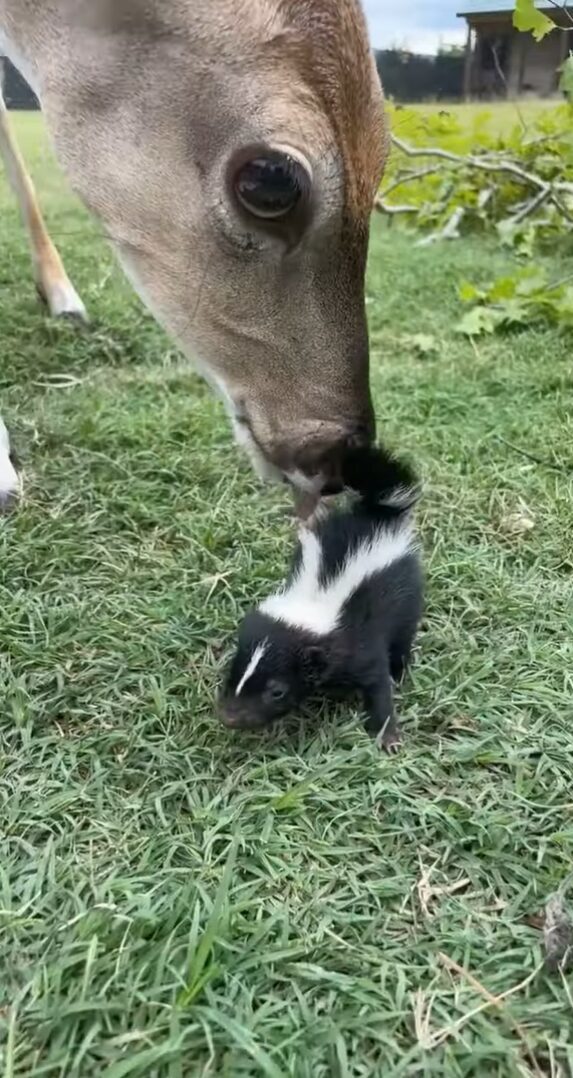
{"x": 319, "y": 466}
{"x": 331, "y": 471}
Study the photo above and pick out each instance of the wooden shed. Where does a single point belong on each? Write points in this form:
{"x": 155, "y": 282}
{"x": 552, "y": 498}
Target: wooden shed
{"x": 502, "y": 62}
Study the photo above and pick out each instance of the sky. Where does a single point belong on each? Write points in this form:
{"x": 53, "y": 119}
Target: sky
{"x": 420, "y": 25}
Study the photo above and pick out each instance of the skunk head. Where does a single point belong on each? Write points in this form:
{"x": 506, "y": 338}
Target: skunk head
{"x": 273, "y": 669}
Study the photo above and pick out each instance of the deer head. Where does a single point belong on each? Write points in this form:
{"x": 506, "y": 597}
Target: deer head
{"x": 232, "y": 150}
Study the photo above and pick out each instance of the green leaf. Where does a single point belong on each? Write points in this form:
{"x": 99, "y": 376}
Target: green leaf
{"x": 566, "y": 80}
{"x": 564, "y": 307}
{"x": 503, "y": 288}
{"x": 527, "y": 17}
{"x": 531, "y": 283}
{"x": 476, "y": 322}
{"x": 515, "y": 313}
{"x": 468, "y": 292}
{"x": 423, "y": 343}
{"x": 519, "y": 237}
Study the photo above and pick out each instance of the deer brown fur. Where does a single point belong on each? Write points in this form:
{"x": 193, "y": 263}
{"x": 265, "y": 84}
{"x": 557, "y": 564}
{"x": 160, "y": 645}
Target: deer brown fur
{"x": 150, "y": 103}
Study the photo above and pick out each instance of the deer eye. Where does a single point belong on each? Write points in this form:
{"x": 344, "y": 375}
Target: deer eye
{"x": 271, "y": 185}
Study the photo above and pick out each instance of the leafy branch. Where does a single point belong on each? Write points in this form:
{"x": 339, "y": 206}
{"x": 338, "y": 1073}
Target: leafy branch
{"x": 500, "y": 186}
{"x": 525, "y": 299}
{"x": 528, "y": 18}
{"x": 445, "y": 181}
{"x": 445, "y": 198}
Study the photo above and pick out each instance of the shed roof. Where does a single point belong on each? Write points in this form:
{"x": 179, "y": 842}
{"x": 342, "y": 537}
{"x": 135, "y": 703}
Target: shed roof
{"x": 490, "y": 7}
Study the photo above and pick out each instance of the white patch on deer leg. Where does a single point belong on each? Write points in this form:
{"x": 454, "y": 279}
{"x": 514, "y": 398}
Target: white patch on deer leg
{"x": 9, "y": 484}
{"x": 61, "y": 297}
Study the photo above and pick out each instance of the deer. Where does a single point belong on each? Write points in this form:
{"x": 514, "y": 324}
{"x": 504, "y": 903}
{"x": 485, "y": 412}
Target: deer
{"x": 231, "y": 151}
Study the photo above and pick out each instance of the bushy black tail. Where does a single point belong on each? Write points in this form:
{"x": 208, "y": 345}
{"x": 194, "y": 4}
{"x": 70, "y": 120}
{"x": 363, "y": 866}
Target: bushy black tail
{"x": 381, "y": 481}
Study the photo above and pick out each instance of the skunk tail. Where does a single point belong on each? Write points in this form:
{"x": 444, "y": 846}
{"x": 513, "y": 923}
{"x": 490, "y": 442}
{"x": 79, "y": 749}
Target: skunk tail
{"x": 380, "y": 480}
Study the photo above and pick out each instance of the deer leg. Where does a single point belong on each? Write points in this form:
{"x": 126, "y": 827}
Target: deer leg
{"x": 52, "y": 281}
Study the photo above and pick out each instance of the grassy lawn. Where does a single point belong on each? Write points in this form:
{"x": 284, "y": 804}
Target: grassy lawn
{"x": 178, "y": 901}
{"x": 465, "y": 128}
{"x": 500, "y": 115}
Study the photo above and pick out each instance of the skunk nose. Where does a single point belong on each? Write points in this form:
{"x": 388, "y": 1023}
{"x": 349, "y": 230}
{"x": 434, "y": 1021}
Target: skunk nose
{"x": 226, "y": 714}
{"x": 358, "y": 436}
{"x": 229, "y": 714}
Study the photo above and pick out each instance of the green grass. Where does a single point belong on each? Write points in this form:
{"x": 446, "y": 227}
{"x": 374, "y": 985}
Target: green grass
{"x": 501, "y": 115}
{"x": 469, "y": 127}
{"x": 178, "y": 901}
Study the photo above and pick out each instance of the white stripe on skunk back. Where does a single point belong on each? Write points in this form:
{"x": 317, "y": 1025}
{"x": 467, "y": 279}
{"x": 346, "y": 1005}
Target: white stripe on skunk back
{"x": 306, "y": 604}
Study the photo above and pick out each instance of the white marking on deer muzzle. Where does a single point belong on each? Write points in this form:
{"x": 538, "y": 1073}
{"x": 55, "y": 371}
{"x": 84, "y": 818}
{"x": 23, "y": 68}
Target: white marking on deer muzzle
{"x": 310, "y": 484}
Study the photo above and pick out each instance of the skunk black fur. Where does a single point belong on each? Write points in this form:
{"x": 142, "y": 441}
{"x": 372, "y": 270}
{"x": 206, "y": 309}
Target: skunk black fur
{"x": 346, "y": 618}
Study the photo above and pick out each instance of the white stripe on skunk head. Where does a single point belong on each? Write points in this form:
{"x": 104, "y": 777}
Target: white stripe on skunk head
{"x": 252, "y": 666}
{"x": 307, "y": 604}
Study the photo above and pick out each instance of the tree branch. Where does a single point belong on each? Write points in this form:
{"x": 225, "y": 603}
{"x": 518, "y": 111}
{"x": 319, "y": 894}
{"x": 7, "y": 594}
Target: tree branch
{"x": 450, "y": 230}
{"x": 484, "y": 164}
{"x": 564, "y": 8}
{"x": 531, "y": 205}
{"x": 410, "y": 177}
{"x": 563, "y": 209}
{"x": 392, "y": 211}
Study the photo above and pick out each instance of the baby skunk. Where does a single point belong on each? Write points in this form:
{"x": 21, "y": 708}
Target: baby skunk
{"x": 346, "y": 618}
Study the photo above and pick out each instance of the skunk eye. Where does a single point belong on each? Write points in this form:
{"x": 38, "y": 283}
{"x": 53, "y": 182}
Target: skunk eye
{"x": 277, "y": 692}
{"x": 271, "y": 185}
